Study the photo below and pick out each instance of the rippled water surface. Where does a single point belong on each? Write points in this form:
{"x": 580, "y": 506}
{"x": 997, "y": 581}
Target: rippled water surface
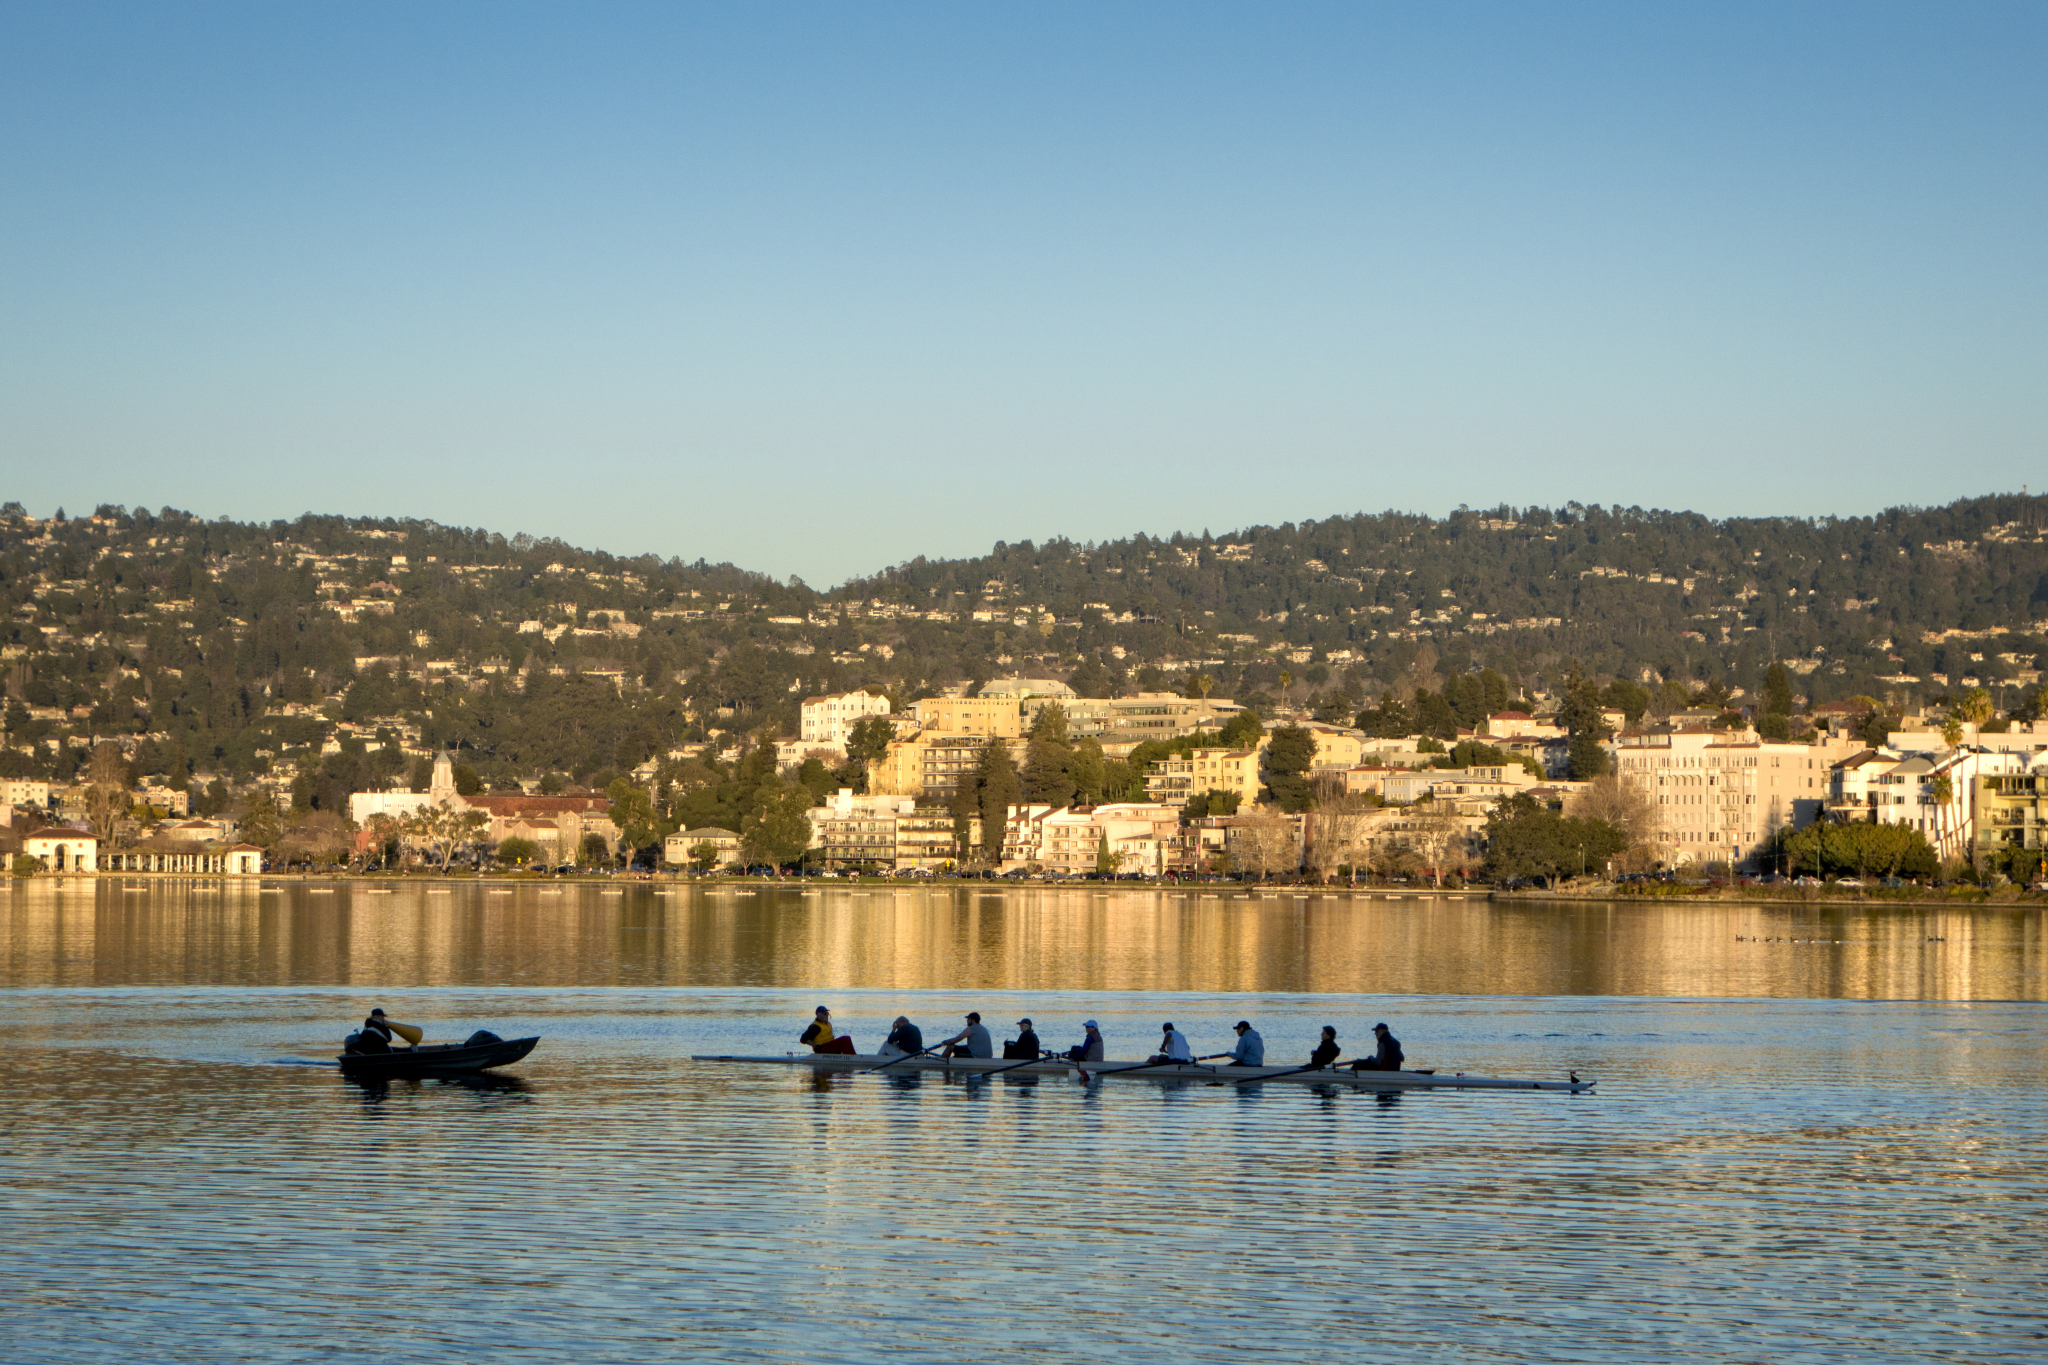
{"x": 1822, "y": 1148}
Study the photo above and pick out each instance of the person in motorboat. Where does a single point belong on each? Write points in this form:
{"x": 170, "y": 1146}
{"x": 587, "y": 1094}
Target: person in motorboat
{"x": 377, "y": 1033}
{"x": 1089, "y": 1049}
{"x": 818, "y": 1033}
{"x": 1026, "y": 1044}
{"x": 972, "y": 1040}
{"x": 1250, "y": 1049}
{"x": 1173, "y": 1046}
{"x": 1388, "y": 1056}
{"x": 1327, "y": 1050}
{"x": 905, "y": 1040}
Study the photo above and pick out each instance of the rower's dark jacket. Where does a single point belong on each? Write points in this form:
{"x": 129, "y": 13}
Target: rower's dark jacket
{"x": 1325, "y": 1053}
{"x": 1025, "y": 1046}
{"x": 1390, "y": 1055}
{"x": 910, "y": 1038}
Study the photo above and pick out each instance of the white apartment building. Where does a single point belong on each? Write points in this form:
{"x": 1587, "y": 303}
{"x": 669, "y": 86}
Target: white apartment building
{"x": 828, "y": 721}
{"x": 1142, "y": 837}
{"x": 1911, "y": 791}
{"x": 859, "y": 830}
{"x": 1720, "y": 793}
{"x": 21, "y": 792}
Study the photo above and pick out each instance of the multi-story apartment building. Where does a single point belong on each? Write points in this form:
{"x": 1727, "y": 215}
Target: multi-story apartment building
{"x": 1719, "y": 793}
{"x": 850, "y": 830}
{"x": 930, "y": 766}
{"x": 22, "y": 792}
{"x": 827, "y": 721}
{"x": 1138, "y": 837}
{"x": 2011, "y": 810}
{"x": 1939, "y": 794}
{"x": 1177, "y": 779}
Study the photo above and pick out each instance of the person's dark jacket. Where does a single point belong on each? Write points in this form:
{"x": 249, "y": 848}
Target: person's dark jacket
{"x": 909, "y": 1037}
{"x": 1025, "y": 1046}
{"x": 1390, "y": 1055}
{"x": 1325, "y": 1053}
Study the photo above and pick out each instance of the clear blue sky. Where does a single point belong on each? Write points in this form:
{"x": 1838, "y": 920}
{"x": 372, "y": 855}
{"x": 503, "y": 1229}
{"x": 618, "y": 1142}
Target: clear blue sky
{"x": 819, "y": 288}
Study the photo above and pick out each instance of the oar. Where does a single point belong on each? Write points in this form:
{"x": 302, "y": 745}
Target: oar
{"x": 1029, "y": 1061}
{"x": 906, "y": 1057}
{"x": 1295, "y": 1071}
{"x": 1141, "y": 1066}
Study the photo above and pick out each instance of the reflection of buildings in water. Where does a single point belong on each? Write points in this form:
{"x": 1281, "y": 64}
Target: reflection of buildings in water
{"x": 1002, "y": 938}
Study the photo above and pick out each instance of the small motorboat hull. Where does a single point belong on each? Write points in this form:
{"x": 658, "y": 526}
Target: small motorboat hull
{"x": 448, "y": 1059}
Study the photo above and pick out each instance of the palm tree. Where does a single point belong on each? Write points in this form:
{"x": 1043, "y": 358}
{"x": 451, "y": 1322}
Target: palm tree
{"x": 1943, "y": 790}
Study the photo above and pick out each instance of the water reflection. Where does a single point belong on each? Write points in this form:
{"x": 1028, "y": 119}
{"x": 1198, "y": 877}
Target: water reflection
{"x": 1007, "y": 939}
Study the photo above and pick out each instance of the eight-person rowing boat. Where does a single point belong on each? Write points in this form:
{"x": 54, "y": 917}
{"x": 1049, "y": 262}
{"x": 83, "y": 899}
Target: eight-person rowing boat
{"x": 970, "y": 1053}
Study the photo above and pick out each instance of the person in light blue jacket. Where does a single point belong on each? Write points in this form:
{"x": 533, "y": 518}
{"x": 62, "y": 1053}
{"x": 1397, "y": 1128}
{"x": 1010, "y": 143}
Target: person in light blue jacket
{"x": 1250, "y": 1049}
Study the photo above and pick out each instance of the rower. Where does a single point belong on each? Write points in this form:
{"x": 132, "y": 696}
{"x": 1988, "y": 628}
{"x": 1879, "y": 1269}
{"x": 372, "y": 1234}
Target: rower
{"x": 818, "y": 1033}
{"x": 973, "y": 1040}
{"x": 1388, "y": 1057}
{"x": 1089, "y": 1049}
{"x": 1250, "y": 1049}
{"x": 1026, "y": 1044}
{"x": 1173, "y": 1046}
{"x": 1326, "y": 1050}
{"x": 905, "y": 1040}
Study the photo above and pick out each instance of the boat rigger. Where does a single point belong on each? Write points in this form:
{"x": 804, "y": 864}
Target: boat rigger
{"x": 1151, "y": 1071}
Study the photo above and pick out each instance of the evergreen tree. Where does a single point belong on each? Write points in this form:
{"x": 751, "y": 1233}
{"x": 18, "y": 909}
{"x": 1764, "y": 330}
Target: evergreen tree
{"x": 1289, "y": 758}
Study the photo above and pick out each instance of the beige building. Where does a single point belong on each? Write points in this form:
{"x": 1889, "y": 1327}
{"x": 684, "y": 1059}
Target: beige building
{"x": 679, "y": 848}
{"x": 1720, "y": 793}
{"x": 1487, "y": 782}
{"x": 1176, "y": 780}
{"x": 2012, "y": 810}
{"x": 1001, "y": 717}
{"x": 930, "y": 766}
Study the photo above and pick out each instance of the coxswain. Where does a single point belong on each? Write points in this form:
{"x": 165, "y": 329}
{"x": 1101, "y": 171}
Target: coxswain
{"x": 1250, "y": 1049}
{"x": 1326, "y": 1050}
{"x": 1089, "y": 1049}
{"x": 1026, "y": 1044}
{"x": 905, "y": 1040}
{"x": 819, "y": 1034}
{"x": 378, "y": 1033}
{"x": 972, "y": 1040}
{"x": 1173, "y": 1046}
{"x": 1388, "y": 1056}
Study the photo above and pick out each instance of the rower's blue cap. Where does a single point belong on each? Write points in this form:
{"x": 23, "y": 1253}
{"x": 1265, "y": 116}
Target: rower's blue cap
{"x": 1379, "y": 1028}
{"x": 1091, "y": 1024}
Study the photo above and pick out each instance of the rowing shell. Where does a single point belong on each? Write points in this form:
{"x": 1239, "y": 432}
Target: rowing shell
{"x": 1138, "y": 1071}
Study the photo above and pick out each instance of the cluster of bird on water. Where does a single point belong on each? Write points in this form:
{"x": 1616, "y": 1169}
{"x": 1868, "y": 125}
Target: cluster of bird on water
{"x": 906, "y": 1040}
{"x": 1751, "y": 938}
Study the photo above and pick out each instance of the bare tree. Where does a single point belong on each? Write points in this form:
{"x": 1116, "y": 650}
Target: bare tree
{"x": 1434, "y": 828}
{"x": 106, "y": 795}
{"x": 1265, "y": 842}
{"x": 1342, "y": 834}
{"x": 320, "y": 836}
{"x": 1628, "y": 808}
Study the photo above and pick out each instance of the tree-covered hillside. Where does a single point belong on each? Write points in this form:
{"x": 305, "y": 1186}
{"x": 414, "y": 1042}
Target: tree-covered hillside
{"x": 233, "y": 649}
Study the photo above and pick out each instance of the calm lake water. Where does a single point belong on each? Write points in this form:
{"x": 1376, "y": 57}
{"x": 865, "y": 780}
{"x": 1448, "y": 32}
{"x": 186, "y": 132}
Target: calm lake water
{"x": 1827, "y": 1147}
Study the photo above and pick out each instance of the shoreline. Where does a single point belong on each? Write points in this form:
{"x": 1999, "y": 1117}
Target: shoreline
{"x": 1959, "y": 898}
